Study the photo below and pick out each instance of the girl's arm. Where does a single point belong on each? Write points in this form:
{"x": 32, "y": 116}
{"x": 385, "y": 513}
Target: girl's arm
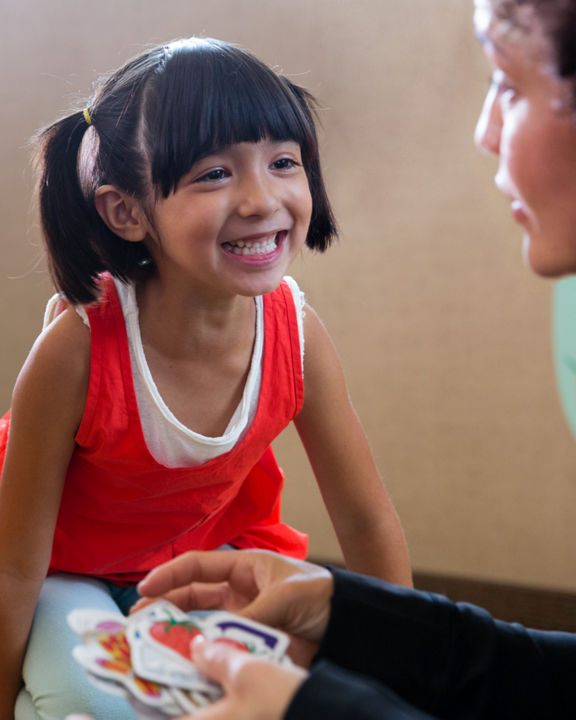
{"x": 47, "y": 406}
{"x": 365, "y": 521}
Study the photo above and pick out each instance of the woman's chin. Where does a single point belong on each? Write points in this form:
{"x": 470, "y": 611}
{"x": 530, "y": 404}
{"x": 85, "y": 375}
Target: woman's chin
{"x": 546, "y": 264}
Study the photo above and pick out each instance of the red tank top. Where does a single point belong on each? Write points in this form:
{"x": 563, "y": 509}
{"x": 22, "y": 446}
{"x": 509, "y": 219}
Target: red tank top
{"x": 122, "y": 513}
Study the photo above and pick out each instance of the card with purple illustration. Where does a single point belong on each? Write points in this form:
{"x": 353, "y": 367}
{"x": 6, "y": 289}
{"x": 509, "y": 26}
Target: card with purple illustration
{"x": 246, "y": 635}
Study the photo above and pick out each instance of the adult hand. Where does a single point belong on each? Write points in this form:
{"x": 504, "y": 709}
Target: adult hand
{"x": 288, "y": 594}
{"x": 254, "y": 689}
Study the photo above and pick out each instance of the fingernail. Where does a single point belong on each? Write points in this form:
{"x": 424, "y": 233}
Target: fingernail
{"x": 137, "y": 605}
{"x": 198, "y": 643}
{"x": 146, "y": 578}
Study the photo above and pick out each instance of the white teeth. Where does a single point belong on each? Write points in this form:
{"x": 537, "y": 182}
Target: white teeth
{"x": 252, "y": 248}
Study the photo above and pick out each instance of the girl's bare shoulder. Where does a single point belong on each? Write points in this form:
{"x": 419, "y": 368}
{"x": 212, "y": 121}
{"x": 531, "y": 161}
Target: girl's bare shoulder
{"x": 58, "y": 365}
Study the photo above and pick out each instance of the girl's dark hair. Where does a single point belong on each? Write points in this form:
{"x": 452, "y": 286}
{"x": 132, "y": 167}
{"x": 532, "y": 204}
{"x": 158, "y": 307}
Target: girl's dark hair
{"x": 152, "y": 120}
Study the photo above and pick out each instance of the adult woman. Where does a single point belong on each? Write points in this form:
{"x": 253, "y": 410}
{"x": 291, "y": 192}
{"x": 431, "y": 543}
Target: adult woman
{"x": 528, "y": 121}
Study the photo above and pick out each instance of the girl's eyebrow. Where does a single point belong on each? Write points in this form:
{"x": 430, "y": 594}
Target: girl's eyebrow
{"x": 208, "y": 153}
{"x": 283, "y": 142}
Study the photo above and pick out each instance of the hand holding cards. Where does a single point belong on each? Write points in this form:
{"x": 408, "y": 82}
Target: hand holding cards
{"x": 147, "y": 656}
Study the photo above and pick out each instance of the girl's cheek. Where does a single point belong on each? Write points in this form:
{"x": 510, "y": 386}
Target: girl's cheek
{"x": 307, "y": 201}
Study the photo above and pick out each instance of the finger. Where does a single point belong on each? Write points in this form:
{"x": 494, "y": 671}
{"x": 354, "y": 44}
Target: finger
{"x": 195, "y": 566}
{"x": 273, "y": 606}
{"x": 217, "y": 661}
{"x": 300, "y": 605}
{"x": 196, "y": 596}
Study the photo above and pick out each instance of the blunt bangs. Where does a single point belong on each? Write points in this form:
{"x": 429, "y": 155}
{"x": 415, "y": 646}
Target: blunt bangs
{"x": 209, "y": 95}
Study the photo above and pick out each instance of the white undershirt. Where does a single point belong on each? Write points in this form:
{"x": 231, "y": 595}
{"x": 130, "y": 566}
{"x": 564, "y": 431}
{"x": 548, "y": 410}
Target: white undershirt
{"x": 170, "y": 442}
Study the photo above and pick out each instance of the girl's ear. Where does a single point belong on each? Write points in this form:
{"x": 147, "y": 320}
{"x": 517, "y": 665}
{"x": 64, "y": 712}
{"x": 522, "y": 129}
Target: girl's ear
{"x": 122, "y": 213}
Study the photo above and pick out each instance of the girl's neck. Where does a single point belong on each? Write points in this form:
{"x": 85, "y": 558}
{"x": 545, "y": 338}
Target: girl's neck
{"x": 184, "y": 320}
{"x": 199, "y": 352}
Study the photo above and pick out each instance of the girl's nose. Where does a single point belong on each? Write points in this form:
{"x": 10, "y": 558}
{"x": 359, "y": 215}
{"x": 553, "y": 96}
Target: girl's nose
{"x": 489, "y": 125}
{"x": 257, "y": 196}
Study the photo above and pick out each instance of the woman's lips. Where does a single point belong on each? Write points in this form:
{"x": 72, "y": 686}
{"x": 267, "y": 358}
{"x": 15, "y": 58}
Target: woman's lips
{"x": 518, "y": 212}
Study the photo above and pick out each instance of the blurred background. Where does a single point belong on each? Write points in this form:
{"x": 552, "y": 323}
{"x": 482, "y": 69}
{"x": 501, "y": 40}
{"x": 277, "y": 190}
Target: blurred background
{"x": 445, "y": 337}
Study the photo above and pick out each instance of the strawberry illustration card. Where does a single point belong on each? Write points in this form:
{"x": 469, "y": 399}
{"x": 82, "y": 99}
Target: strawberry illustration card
{"x": 160, "y": 638}
{"x": 147, "y": 657}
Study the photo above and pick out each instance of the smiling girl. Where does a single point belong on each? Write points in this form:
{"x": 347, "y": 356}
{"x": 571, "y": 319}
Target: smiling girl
{"x": 172, "y": 206}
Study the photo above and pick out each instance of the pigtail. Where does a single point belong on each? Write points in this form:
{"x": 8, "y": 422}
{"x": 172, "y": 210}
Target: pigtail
{"x": 68, "y": 220}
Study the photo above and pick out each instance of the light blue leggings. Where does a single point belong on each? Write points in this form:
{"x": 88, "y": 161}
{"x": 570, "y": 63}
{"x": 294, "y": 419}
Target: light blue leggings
{"x": 54, "y": 684}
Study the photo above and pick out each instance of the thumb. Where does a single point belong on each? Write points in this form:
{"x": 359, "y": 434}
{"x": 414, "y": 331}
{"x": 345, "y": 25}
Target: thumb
{"x": 217, "y": 661}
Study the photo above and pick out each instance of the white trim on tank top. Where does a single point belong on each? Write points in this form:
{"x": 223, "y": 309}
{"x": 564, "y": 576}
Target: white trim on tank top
{"x": 170, "y": 442}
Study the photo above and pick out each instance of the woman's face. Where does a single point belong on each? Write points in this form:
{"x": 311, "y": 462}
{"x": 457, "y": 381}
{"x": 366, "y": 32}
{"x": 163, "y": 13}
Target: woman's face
{"x": 528, "y": 122}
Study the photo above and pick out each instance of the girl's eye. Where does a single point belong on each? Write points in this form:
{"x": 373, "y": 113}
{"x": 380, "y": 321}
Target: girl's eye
{"x": 285, "y": 163}
{"x": 213, "y": 175}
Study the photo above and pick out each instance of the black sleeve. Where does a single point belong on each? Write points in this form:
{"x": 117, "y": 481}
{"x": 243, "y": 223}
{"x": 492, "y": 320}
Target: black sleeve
{"x": 450, "y": 660}
{"x": 331, "y": 693}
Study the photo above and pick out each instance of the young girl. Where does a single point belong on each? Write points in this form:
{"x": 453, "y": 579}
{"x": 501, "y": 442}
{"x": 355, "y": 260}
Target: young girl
{"x": 141, "y": 423}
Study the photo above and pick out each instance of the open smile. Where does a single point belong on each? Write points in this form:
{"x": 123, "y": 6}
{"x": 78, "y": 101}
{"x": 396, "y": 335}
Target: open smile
{"x": 263, "y": 246}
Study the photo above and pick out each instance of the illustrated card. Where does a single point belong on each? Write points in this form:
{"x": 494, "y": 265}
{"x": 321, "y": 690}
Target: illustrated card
{"x": 246, "y": 635}
{"x": 160, "y": 636}
{"x": 91, "y": 623}
{"x": 107, "y": 657}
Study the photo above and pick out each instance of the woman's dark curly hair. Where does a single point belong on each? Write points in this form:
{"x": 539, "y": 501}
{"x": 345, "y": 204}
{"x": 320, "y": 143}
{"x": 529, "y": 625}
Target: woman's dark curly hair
{"x": 558, "y": 18}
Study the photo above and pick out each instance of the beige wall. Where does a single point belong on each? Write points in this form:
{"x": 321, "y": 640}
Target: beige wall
{"x": 443, "y": 334}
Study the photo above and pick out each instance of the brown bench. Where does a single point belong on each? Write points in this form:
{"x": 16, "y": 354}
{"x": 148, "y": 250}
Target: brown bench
{"x": 533, "y": 607}
{"x": 538, "y": 608}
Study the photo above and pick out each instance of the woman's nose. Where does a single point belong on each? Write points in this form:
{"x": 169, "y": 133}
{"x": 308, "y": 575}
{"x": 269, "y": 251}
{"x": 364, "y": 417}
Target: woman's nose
{"x": 489, "y": 125}
{"x": 257, "y": 196}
